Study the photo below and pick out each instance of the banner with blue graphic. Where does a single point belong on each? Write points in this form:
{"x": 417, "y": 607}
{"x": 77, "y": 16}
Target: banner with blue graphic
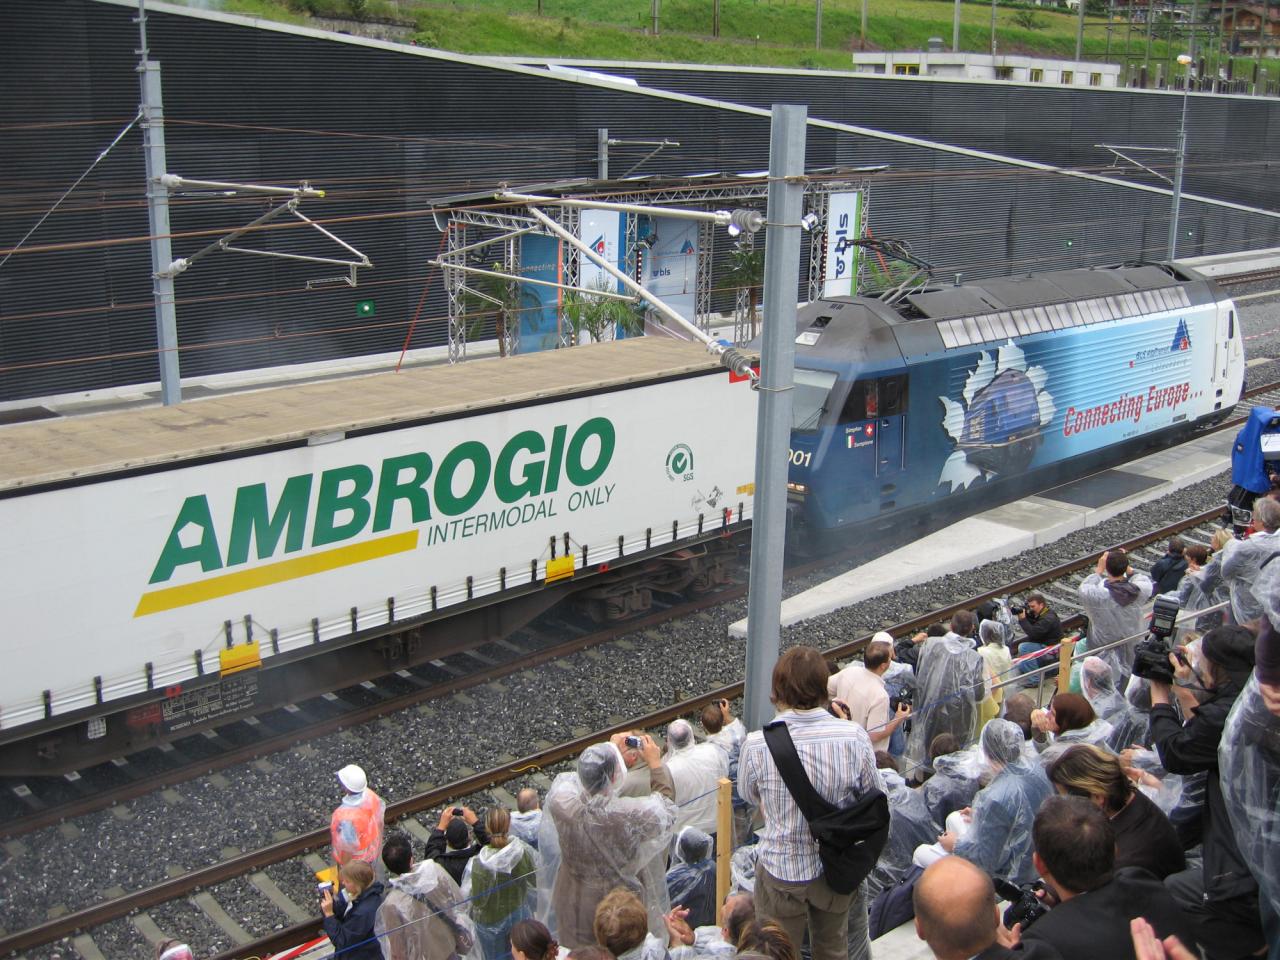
{"x": 539, "y": 305}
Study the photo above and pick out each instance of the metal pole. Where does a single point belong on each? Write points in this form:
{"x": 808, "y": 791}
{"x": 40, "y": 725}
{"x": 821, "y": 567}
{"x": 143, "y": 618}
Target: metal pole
{"x": 993, "y": 33}
{"x": 777, "y": 361}
{"x": 1177, "y": 169}
{"x": 1111, "y": 15}
{"x": 654, "y": 13}
{"x": 602, "y": 153}
{"x": 863, "y": 34}
{"x": 1191, "y": 42}
{"x": 158, "y": 218}
{"x": 1080, "y": 32}
{"x": 955, "y": 29}
{"x": 1146, "y": 62}
{"x": 817, "y": 27}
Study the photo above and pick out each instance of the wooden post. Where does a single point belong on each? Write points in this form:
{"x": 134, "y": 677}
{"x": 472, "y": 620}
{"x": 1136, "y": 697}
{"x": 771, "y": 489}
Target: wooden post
{"x": 724, "y": 843}
{"x": 1065, "y": 652}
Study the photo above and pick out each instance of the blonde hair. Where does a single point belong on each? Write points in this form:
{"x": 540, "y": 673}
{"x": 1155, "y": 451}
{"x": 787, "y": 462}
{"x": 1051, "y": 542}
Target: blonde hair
{"x": 358, "y": 873}
{"x": 497, "y": 820}
{"x": 1221, "y": 537}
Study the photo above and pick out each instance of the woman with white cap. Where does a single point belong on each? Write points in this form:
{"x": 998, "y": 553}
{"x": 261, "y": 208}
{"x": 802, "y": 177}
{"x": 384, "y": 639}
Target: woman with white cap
{"x": 356, "y": 827}
{"x": 594, "y": 840}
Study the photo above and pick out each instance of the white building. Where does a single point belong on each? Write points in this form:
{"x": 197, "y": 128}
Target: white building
{"x": 983, "y": 66}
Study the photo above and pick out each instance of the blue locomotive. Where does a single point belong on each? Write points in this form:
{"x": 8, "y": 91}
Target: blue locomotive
{"x": 913, "y": 411}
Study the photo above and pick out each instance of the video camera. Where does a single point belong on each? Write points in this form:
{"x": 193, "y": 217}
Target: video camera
{"x": 1024, "y": 906}
{"x": 1151, "y": 656}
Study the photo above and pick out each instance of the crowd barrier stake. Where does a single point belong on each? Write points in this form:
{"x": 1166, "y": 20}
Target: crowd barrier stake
{"x": 1065, "y": 653}
{"x": 724, "y": 843}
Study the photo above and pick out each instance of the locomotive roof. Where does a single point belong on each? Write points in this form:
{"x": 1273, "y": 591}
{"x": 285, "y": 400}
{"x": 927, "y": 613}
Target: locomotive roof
{"x": 1039, "y": 289}
{"x": 54, "y": 451}
{"x": 866, "y": 332}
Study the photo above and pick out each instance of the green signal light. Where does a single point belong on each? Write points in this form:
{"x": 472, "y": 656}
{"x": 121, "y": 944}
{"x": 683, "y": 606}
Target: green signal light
{"x": 365, "y": 308}
{"x": 1070, "y": 243}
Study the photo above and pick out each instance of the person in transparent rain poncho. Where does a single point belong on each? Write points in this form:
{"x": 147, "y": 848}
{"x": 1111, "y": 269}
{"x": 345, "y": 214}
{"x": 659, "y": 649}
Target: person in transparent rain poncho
{"x": 696, "y": 770}
{"x": 1069, "y": 719}
{"x": 910, "y": 825}
{"x": 423, "y": 916}
{"x": 1113, "y": 597}
{"x": 1128, "y": 726}
{"x": 1249, "y": 762}
{"x": 501, "y": 883}
{"x": 596, "y": 840}
{"x": 951, "y": 683}
{"x": 954, "y": 782}
{"x": 691, "y": 881}
{"x": 997, "y": 837}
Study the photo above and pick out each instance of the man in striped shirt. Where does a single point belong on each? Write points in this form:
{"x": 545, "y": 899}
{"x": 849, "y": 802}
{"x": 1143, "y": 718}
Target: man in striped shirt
{"x": 839, "y": 761}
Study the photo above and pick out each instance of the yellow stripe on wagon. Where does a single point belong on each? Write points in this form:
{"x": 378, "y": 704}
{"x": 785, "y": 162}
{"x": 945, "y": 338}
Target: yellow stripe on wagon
{"x": 170, "y": 598}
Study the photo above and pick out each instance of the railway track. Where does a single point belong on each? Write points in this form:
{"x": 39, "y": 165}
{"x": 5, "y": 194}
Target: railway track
{"x": 423, "y": 691}
{"x": 1057, "y": 582}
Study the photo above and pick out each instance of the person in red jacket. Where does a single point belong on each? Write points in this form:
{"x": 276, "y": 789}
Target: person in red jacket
{"x": 356, "y": 828}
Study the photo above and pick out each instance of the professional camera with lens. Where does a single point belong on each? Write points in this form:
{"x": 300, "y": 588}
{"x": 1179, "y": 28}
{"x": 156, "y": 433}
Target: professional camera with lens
{"x": 905, "y": 697}
{"x": 1024, "y": 906}
{"x": 1151, "y": 656}
{"x": 1016, "y": 608}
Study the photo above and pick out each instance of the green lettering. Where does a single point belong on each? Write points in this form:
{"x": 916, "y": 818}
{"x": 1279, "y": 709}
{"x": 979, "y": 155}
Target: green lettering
{"x": 251, "y": 520}
{"x": 579, "y": 474}
{"x": 555, "y": 458}
{"x": 478, "y": 454}
{"x": 206, "y": 553}
{"x": 509, "y": 490}
{"x": 331, "y": 501}
{"x": 391, "y": 488}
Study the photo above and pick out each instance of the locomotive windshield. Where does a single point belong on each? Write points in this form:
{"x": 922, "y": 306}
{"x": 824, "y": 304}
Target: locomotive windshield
{"x": 809, "y": 399}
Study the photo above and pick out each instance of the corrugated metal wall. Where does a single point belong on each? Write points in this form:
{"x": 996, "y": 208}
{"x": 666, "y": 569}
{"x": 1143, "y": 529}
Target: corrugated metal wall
{"x": 383, "y": 131}
{"x": 1231, "y": 141}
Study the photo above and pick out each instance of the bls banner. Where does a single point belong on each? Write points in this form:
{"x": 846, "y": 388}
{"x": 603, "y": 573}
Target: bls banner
{"x": 844, "y": 226}
{"x": 670, "y": 262}
{"x": 601, "y": 230}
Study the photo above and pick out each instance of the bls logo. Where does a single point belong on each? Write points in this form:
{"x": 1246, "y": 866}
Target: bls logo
{"x": 680, "y": 463}
{"x": 687, "y": 248}
{"x": 598, "y": 245}
{"x": 1181, "y": 338}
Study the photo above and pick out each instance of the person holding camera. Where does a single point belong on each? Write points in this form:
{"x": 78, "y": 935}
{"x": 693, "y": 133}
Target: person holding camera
{"x": 1112, "y": 597}
{"x": 606, "y": 839}
{"x": 450, "y": 843}
{"x": 1041, "y": 627}
{"x": 349, "y": 917}
{"x": 1091, "y": 902}
{"x": 858, "y": 691}
{"x": 1221, "y": 897}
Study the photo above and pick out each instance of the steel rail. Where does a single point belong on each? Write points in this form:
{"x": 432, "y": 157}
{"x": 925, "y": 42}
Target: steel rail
{"x": 283, "y": 850}
{"x": 254, "y": 860}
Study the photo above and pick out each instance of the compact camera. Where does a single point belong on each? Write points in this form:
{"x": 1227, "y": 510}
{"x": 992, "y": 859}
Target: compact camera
{"x": 1151, "y": 656}
{"x": 1024, "y": 906}
{"x": 633, "y": 742}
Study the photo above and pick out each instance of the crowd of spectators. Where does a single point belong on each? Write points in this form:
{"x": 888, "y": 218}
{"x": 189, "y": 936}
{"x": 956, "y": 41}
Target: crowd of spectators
{"x": 1133, "y": 815}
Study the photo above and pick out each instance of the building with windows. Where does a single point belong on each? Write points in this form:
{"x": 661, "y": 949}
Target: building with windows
{"x": 983, "y": 66}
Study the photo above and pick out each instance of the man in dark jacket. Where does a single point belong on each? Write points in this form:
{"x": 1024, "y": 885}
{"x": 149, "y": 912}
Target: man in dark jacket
{"x": 448, "y": 844}
{"x": 349, "y": 918}
{"x": 1222, "y": 897}
{"x": 1075, "y": 852}
{"x": 957, "y": 916}
{"x": 1166, "y": 573}
{"x": 1041, "y": 627}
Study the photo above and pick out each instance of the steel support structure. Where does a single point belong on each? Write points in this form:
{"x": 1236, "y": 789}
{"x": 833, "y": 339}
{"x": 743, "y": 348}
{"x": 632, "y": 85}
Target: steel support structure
{"x": 454, "y": 282}
{"x": 702, "y": 276}
{"x": 773, "y": 435}
{"x": 817, "y": 243}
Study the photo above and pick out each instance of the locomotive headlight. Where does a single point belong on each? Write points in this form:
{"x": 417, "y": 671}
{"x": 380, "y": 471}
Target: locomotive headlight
{"x": 798, "y": 489}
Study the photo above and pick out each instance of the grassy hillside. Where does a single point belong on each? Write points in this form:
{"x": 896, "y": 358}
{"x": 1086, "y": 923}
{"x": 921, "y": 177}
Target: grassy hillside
{"x": 759, "y": 32}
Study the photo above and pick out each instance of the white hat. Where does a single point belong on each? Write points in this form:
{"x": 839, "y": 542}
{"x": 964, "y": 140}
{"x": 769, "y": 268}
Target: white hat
{"x": 353, "y": 778}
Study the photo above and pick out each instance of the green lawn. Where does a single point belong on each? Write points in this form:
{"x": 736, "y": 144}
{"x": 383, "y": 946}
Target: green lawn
{"x": 752, "y": 32}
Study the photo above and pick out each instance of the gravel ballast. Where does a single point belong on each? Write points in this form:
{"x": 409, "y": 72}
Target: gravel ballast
{"x": 253, "y": 805}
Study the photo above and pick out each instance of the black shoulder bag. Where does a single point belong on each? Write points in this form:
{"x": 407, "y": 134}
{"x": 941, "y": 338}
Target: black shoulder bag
{"x": 850, "y": 839}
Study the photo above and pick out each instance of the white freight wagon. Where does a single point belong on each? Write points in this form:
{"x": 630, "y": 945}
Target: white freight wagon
{"x": 151, "y": 558}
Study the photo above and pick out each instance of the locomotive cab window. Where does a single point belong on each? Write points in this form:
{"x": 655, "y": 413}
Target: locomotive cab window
{"x": 810, "y": 398}
{"x": 872, "y": 399}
